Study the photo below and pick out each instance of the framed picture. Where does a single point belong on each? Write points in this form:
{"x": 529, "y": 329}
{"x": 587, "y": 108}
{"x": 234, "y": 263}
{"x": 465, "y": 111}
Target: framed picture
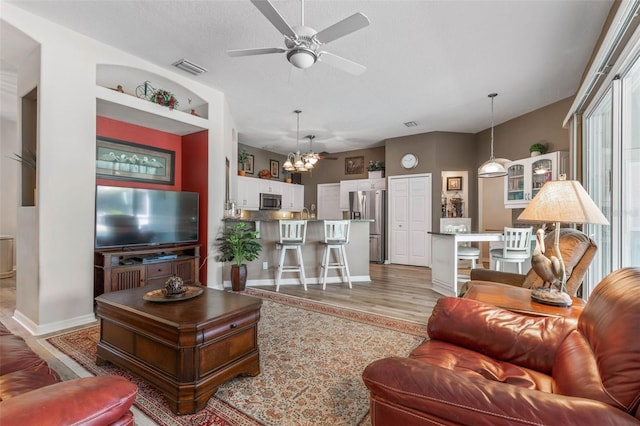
{"x": 354, "y": 165}
{"x": 248, "y": 166}
{"x": 129, "y": 161}
{"x": 275, "y": 168}
{"x": 454, "y": 183}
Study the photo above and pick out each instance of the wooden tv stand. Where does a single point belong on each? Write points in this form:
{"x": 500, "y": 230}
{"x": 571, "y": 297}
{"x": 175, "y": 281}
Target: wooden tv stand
{"x": 125, "y": 268}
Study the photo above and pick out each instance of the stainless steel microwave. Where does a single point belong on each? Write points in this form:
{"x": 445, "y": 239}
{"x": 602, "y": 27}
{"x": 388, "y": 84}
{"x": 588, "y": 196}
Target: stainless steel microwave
{"x": 270, "y": 201}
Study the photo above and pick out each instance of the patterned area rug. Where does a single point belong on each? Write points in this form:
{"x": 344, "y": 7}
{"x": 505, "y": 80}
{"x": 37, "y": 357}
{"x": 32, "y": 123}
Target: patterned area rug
{"x": 311, "y": 359}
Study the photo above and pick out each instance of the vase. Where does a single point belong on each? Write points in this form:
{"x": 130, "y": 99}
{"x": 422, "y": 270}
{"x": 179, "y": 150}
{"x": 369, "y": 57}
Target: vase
{"x": 535, "y": 153}
{"x": 241, "y": 172}
{"x": 376, "y": 174}
{"x": 238, "y": 277}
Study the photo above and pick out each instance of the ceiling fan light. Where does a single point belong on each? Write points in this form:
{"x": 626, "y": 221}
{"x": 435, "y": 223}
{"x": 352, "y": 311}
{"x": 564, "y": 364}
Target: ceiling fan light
{"x": 288, "y": 165}
{"x": 313, "y": 160}
{"x": 308, "y": 165}
{"x": 298, "y": 163}
{"x": 302, "y": 57}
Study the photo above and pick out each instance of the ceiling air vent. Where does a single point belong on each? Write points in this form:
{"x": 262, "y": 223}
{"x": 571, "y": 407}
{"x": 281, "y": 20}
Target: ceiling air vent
{"x": 189, "y": 67}
{"x": 410, "y": 124}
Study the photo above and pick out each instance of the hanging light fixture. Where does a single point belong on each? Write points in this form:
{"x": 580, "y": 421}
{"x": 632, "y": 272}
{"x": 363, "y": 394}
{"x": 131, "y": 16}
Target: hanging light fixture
{"x": 311, "y": 157}
{"x": 295, "y": 160}
{"x": 493, "y": 167}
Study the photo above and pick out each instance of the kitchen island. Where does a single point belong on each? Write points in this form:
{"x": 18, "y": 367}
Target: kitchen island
{"x": 444, "y": 259}
{"x": 262, "y": 271}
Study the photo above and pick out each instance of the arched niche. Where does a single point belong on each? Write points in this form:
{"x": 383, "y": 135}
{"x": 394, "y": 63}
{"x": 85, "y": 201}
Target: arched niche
{"x": 111, "y": 76}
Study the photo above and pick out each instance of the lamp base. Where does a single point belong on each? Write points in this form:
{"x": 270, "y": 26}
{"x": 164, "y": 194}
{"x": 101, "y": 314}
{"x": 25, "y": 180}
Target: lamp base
{"x": 551, "y": 296}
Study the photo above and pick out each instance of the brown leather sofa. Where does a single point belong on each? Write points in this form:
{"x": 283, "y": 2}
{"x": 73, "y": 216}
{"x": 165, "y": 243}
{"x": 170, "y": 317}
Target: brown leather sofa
{"x": 31, "y": 393}
{"x": 489, "y": 366}
{"x": 577, "y": 251}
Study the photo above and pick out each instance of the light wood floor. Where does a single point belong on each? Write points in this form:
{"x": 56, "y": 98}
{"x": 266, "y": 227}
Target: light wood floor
{"x": 398, "y": 291}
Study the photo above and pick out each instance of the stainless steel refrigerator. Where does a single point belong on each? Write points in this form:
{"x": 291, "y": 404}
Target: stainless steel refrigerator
{"x": 372, "y": 205}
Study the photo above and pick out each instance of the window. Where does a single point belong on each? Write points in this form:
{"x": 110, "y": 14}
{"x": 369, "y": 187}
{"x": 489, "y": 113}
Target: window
{"x": 598, "y": 167}
{"x": 611, "y": 148}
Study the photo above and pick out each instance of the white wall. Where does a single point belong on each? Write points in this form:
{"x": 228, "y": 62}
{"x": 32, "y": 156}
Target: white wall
{"x": 66, "y": 175}
{"x": 9, "y": 170}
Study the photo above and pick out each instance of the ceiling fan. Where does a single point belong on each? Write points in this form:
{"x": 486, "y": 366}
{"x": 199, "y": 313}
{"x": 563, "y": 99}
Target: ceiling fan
{"x": 324, "y": 155}
{"x": 303, "y": 43}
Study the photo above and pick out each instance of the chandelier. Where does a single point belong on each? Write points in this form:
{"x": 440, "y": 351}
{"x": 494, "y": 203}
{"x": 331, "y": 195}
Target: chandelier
{"x": 297, "y": 162}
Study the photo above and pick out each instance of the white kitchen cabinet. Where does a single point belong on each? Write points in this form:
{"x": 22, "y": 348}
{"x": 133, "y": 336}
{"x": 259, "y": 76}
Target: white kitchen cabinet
{"x": 347, "y": 186}
{"x": 525, "y": 177}
{"x": 249, "y": 190}
{"x": 292, "y": 197}
{"x": 371, "y": 184}
{"x": 268, "y": 186}
{"x": 248, "y": 193}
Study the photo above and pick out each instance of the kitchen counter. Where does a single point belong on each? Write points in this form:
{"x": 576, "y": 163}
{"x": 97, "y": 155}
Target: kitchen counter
{"x": 444, "y": 259}
{"x": 262, "y": 271}
{"x": 235, "y": 219}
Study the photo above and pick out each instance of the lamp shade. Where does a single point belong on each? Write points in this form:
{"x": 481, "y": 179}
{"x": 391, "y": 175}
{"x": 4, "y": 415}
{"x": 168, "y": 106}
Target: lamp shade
{"x": 564, "y": 201}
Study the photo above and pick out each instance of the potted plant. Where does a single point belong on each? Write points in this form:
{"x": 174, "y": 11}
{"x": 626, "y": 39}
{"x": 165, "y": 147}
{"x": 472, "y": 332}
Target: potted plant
{"x": 375, "y": 169}
{"x": 239, "y": 243}
{"x": 537, "y": 149}
{"x": 287, "y": 175}
{"x": 243, "y": 157}
{"x": 28, "y": 159}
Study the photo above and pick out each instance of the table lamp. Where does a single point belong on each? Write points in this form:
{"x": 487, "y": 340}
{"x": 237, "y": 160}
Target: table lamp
{"x": 560, "y": 201}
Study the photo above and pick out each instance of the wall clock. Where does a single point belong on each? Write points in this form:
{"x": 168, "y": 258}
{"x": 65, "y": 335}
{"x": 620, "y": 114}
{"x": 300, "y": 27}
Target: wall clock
{"x": 409, "y": 161}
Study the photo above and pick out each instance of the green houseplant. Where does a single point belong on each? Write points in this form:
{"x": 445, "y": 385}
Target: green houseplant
{"x": 239, "y": 243}
{"x": 243, "y": 157}
{"x": 375, "y": 169}
{"x": 537, "y": 149}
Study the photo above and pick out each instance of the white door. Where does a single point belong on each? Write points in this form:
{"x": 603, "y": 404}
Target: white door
{"x": 410, "y": 219}
{"x": 329, "y": 201}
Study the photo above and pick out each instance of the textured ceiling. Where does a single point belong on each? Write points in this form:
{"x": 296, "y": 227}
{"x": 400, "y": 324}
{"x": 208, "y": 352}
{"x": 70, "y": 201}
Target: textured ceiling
{"x": 432, "y": 62}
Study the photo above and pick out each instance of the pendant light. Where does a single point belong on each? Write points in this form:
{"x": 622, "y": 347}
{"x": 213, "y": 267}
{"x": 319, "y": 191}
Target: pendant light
{"x": 494, "y": 167}
{"x": 295, "y": 161}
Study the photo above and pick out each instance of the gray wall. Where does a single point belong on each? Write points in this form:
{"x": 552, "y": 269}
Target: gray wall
{"x": 437, "y": 152}
{"x": 443, "y": 151}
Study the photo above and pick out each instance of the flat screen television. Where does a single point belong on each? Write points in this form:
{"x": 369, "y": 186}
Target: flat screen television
{"x": 134, "y": 216}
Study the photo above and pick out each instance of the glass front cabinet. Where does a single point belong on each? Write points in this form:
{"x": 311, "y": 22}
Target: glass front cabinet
{"x": 525, "y": 177}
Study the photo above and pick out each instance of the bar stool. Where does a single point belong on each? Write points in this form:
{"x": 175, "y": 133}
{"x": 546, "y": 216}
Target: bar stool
{"x": 517, "y": 248}
{"x": 465, "y": 250}
{"x": 292, "y": 235}
{"x": 336, "y": 236}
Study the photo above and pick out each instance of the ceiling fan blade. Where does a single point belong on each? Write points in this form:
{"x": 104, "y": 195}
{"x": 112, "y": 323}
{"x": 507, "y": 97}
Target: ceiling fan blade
{"x": 260, "y": 51}
{"x": 270, "y": 12}
{"x": 327, "y": 156}
{"x": 341, "y": 63}
{"x": 340, "y": 29}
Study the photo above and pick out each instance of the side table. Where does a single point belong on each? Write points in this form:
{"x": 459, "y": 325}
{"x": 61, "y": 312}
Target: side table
{"x": 518, "y": 299}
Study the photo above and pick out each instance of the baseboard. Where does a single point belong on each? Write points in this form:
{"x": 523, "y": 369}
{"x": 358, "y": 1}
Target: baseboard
{"x": 38, "y": 330}
{"x": 296, "y": 281}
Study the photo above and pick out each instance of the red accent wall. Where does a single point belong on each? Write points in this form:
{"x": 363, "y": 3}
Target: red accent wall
{"x": 114, "y": 129}
{"x": 191, "y": 166}
{"x": 195, "y": 177}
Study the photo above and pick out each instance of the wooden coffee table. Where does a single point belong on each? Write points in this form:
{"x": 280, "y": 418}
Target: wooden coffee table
{"x": 518, "y": 299}
{"x": 186, "y": 349}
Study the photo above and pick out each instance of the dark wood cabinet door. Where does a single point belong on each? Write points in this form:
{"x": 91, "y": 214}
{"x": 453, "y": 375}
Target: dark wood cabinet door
{"x": 124, "y": 278}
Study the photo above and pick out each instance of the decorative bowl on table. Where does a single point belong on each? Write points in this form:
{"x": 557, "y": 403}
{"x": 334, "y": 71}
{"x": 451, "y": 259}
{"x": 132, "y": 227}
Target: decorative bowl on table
{"x": 174, "y": 286}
